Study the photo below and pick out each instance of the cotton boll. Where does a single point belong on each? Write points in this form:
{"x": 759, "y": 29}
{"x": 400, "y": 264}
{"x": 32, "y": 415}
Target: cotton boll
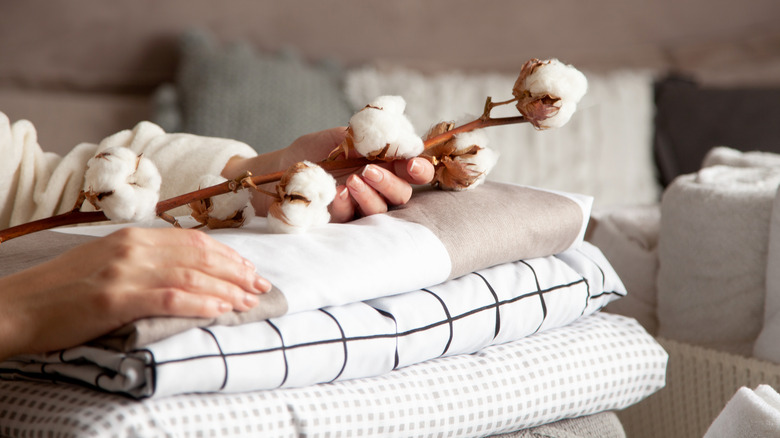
{"x": 125, "y": 186}
{"x": 313, "y": 183}
{"x": 381, "y": 129}
{"x": 465, "y": 140}
{"x": 560, "y": 118}
{"x": 130, "y": 203}
{"x": 146, "y": 175}
{"x": 557, "y": 79}
{"x": 547, "y": 92}
{"x": 298, "y": 218}
{"x": 480, "y": 163}
{"x": 110, "y": 168}
{"x": 305, "y": 191}
{"x": 391, "y": 104}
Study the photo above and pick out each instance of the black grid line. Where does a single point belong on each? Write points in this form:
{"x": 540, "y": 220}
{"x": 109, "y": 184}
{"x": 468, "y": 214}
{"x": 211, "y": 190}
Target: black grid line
{"x": 387, "y": 314}
{"x": 344, "y": 343}
{"x": 221, "y": 354}
{"x": 540, "y": 293}
{"x": 495, "y": 298}
{"x": 449, "y": 319}
{"x": 283, "y": 349}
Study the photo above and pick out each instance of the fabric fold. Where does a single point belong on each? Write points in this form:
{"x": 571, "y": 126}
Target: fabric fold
{"x": 436, "y": 237}
{"x": 492, "y": 306}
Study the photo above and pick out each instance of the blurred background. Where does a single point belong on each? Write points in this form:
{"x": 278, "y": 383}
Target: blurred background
{"x": 83, "y": 69}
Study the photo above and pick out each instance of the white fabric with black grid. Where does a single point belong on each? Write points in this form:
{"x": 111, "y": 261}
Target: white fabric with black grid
{"x": 600, "y": 362}
{"x": 495, "y": 305}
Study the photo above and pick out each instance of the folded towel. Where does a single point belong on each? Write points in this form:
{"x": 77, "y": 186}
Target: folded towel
{"x": 712, "y": 255}
{"x": 727, "y": 156}
{"x": 767, "y": 346}
{"x": 749, "y": 414}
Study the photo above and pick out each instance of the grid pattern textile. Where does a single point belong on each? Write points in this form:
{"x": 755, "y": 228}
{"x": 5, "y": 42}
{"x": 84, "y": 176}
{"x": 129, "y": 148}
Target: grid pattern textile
{"x": 601, "y": 362}
{"x": 492, "y": 306}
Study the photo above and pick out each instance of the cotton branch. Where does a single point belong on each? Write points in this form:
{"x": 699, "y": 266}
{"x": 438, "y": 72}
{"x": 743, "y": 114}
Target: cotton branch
{"x": 75, "y": 216}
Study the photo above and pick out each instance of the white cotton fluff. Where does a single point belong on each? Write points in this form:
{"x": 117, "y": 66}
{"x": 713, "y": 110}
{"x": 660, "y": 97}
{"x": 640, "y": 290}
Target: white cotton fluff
{"x": 483, "y": 162}
{"x": 383, "y": 123}
{"x": 557, "y": 79}
{"x": 560, "y": 80}
{"x": 225, "y": 205}
{"x": 315, "y": 184}
{"x": 465, "y": 140}
{"x": 132, "y": 181}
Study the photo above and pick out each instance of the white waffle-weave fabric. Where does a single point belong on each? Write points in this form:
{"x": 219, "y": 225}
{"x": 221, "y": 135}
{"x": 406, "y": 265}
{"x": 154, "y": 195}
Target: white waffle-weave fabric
{"x": 601, "y": 362}
{"x": 492, "y": 306}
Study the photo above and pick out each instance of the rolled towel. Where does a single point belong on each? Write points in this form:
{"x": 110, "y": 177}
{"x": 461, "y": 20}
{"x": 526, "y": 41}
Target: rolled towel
{"x": 727, "y": 156}
{"x": 767, "y": 346}
{"x": 749, "y": 413}
{"x": 712, "y": 256}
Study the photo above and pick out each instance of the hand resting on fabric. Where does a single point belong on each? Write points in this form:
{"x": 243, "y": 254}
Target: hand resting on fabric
{"x": 362, "y": 192}
{"x": 132, "y": 273}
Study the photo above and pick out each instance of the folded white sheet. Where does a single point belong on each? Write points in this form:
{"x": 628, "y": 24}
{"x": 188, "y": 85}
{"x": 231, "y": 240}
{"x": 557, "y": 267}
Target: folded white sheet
{"x": 749, "y": 414}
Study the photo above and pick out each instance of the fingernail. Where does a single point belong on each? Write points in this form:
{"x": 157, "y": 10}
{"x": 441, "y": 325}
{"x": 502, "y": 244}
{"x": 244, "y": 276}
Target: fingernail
{"x": 414, "y": 168}
{"x": 372, "y": 174}
{"x": 344, "y": 193}
{"x": 250, "y": 300}
{"x": 356, "y": 184}
{"x": 262, "y": 285}
{"x": 223, "y": 306}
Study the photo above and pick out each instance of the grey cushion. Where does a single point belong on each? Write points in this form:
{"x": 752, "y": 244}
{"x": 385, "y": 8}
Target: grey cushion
{"x": 265, "y": 100}
{"x": 691, "y": 119}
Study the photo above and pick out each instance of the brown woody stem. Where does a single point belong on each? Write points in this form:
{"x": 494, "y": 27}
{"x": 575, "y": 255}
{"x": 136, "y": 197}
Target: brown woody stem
{"x": 78, "y": 217}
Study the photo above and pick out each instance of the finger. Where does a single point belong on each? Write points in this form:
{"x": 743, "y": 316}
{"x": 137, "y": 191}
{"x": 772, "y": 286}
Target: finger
{"x": 241, "y": 274}
{"x": 395, "y": 190}
{"x": 176, "y": 302}
{"x": 195, "y": 282}
{"x": 172, "y": 248}
{"x": 342, "y": 209}
{"x": 415, "y": 171}
{"x": 367, "y": 199}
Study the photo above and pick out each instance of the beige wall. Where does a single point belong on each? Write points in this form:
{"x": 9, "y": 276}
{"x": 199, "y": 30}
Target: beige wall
{"x": 118, "y": 51}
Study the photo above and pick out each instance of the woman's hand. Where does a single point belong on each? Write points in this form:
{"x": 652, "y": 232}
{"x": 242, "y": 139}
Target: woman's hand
{"x": 361, "y": 191}
{"x": 130, "y": 274}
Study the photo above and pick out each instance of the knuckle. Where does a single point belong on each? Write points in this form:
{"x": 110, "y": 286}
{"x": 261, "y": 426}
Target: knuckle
{"x": 170, "y": 299}
{"x": 189, "y": 279}
{"x": 106, "y": 301}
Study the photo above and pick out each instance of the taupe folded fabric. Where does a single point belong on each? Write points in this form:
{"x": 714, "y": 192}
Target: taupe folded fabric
{"x": 496, "y": 223}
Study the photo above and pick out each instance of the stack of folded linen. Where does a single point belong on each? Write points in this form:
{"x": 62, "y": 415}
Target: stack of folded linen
{"x": 453, "y": 283}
